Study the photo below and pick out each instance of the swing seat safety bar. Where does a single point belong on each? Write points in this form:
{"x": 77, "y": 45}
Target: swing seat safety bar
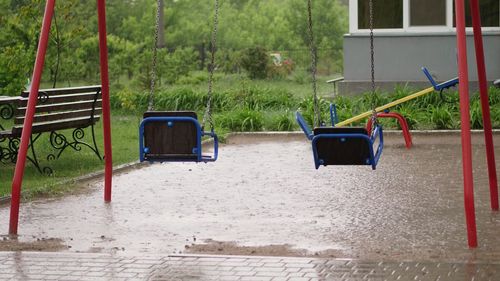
{"x": 197, "y": 151}
{"x": 344, "y": 137}
{"x": 303, "y": 125}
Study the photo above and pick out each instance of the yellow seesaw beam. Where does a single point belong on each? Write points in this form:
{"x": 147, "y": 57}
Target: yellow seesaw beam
{"x": 384, "y": 107}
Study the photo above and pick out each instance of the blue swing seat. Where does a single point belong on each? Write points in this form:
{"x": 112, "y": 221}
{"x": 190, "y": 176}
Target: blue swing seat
{"x": 344, "y": 145}
{"x": 173, "y": 136}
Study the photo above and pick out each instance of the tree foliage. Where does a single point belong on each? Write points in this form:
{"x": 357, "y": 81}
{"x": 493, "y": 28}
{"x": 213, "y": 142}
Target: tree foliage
{"x": 73, "y": 55}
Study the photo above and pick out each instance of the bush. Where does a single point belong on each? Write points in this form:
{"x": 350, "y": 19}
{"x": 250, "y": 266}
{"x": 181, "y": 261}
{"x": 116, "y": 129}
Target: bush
{"x": 195, "y": 79}
{"x": 476, "y": 115}
{"x": 175, "y": 65}
{"x": 255, "y": 98}
{"x": 409, "y": 114}
{"x": 180, "y": 99}
{"x": 228, "y": 61}
{"x": 281, "y": 122}
{"x": 307, "y": 110}
{"x": 241, "y": 121}
{"x": 14, "y": 69}
{"x": 126, "y": 99}
{"x": 256, "y": 62}
{"x": 282, "y": 70}
{"x": 301, "y": 77}
{"x": 494, "y": 96}
{"x": 441, "y": 118}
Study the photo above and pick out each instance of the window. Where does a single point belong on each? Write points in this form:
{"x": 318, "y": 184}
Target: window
{"x": 427, "y": 12}
{"x": 490, "y": 12}
{"x": 386, "y": 14}
{"x": 418, "y": 15}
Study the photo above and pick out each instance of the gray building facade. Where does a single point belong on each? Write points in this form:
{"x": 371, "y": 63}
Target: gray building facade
{"x": 401, "y": 51}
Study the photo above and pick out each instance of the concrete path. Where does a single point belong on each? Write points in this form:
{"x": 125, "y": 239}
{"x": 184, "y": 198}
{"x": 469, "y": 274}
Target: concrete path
{"x": 66, "y": 266}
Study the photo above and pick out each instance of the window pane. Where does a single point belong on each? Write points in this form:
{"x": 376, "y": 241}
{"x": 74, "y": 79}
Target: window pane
{"x": 489, "y": 10}
{"x": 386, "y": 14}
{"x": 427, "y": 12}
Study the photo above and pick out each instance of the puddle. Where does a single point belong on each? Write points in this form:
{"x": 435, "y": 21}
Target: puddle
{"x": 263, "y": 195}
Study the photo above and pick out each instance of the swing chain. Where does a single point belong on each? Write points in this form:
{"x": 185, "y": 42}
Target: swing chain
{"x": 208, "y": 110}
{"x": 314, "y": 60}
{"x": 155, "y": 57}
{"x": 372, "y": 66}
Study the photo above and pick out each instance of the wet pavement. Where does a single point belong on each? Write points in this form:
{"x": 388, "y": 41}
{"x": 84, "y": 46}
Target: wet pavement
{"x": 264, "y": 194}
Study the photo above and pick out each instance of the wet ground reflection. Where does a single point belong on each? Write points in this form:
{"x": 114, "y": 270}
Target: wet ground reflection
{"x": 264, "y": 191}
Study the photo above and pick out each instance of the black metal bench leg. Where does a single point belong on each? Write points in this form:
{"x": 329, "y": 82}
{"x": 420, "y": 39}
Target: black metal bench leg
{"x": 60, "y": 142}
{"x": 95, "y": 149}
{"x": 45, "y": 170}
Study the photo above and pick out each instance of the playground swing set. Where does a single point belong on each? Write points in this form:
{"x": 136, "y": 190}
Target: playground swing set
{"x": 327, "y": 141}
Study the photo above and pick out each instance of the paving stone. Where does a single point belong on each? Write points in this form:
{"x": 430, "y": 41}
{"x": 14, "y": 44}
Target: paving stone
{"x": 69, "y": 266}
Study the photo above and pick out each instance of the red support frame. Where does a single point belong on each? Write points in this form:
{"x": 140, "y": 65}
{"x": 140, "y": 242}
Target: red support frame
{"x": 463, "y": 77}
{"x": 106, "y": 110}
{"x": 485, "y": 107}
{"x": 32, "y": 100}
{"x": 402, "y": 123}
{"x": 28, "y": 120}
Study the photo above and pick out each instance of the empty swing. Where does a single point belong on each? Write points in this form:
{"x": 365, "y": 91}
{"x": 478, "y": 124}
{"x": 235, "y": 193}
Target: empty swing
{"x": 176, "y": 136}
{"x": 342, "y": 145}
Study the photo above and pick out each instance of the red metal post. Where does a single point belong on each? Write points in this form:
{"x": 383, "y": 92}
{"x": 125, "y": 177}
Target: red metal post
{"x": 463, "y": 77}
{"x": 483, "y": 89}
{"x": 28, "y": 120}
{"x": 106, "y": 111}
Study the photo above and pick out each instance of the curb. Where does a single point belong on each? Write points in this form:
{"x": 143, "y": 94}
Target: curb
{"x": 120, "y": 168}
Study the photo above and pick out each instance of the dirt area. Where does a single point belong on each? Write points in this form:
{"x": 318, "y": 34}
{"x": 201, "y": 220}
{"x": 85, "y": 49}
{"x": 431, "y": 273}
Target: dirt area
{"x": 37, "y": 245}
{"x": 264, "y": 197}
{"x": 211, "y": 247}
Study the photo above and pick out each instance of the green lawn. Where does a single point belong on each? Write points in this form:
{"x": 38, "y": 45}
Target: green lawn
{"x": 73, "y": 164}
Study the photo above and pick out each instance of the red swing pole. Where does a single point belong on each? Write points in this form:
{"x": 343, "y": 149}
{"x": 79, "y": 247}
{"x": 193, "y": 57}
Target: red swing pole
{"x": 106, "y": 111}
{"x": 483, "y": 89}
{"x": 17, "y": 181}
{"x": 463, "y": 77}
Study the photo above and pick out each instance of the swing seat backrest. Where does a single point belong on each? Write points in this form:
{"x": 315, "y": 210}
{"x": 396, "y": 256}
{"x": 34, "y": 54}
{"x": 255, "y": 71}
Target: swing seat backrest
{"x": 341, "y": 146}
{"x": 174, "y": 141}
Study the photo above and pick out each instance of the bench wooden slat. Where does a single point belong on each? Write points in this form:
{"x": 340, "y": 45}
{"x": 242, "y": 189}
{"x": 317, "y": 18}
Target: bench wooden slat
{"x": 62, "y": 106}
{"x": 61, "y": 99}
{"x": 59, "y": 115}
{"x": 66, "y": 91}
{"x": 80, "y": 122}
{"x": 6, "y": 133}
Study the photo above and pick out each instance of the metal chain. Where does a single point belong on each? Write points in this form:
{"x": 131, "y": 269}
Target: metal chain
{"x": 314, "y": 60}
{"x": 372, "y": 60}
{"x": 155, "y": 58}
{"x": 208, "y": 110}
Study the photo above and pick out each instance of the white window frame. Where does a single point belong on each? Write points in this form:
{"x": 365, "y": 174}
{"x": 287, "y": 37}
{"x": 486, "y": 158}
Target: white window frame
{"x": 353, "y": 21}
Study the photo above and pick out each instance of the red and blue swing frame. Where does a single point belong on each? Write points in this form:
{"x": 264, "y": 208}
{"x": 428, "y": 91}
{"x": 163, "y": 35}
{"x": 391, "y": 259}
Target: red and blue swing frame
{"x": 370, "y": 139}
{"x": 143, "y": 151}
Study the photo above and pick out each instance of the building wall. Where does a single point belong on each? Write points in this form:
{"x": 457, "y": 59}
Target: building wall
{"x": 399, "y": 57}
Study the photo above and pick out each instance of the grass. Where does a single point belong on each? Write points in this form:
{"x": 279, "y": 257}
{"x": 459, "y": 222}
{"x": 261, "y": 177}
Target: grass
{"x": 239, "y": 104}
{"x": 73, "y": 164}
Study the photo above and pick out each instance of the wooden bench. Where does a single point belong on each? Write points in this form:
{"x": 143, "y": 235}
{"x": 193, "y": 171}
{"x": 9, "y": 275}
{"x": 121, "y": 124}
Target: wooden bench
{"x": 59, "y": 109}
